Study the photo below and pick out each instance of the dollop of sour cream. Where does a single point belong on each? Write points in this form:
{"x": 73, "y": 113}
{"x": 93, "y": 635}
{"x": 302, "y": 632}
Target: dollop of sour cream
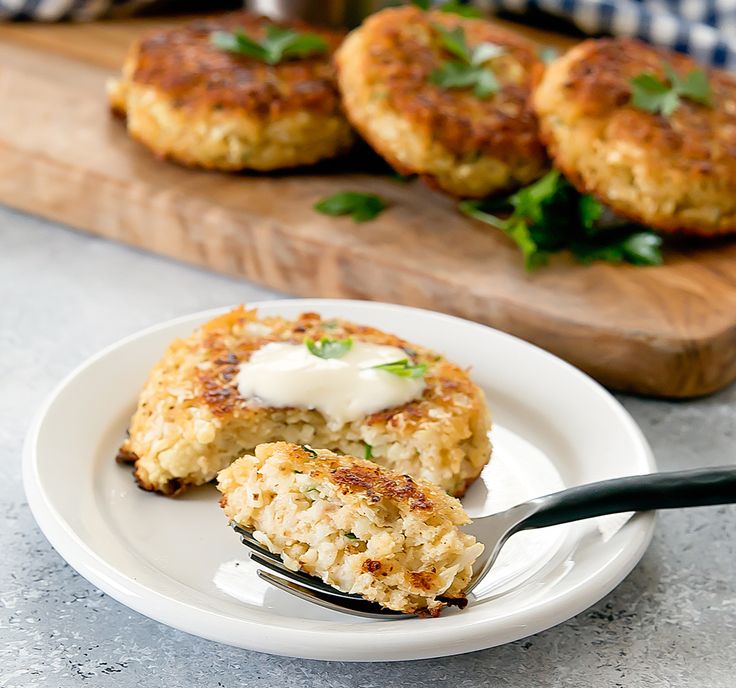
{"x": 341, "y": 389}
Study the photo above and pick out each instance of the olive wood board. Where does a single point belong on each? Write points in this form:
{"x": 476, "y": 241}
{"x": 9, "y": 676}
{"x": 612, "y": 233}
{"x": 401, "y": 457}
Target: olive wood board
{"x": 664, "y": 331}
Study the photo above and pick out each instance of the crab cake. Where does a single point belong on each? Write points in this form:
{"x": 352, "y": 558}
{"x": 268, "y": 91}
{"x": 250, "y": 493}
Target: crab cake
{"x": 462, "y": 143}
{"x": 199, "y": 105}
{"x": 193, "y": 420}
{"x": 675, "y": 173}
{"x": 359, "y": 527}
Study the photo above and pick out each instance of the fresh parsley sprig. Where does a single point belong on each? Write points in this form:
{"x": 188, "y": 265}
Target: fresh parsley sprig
{"x": 278, "y": 45}
{"x": 650, "y": 93}
{"x": 469, "y": 69}
{"x": 328, "y": 348}
{"x": 360, "y": 206}
{"x": 550, "y": 216}
{"x": 403, "y": 368}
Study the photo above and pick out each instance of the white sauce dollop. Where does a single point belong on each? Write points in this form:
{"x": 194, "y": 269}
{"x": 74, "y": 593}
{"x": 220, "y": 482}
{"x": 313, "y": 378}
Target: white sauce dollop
{"x": 341, "y": 389}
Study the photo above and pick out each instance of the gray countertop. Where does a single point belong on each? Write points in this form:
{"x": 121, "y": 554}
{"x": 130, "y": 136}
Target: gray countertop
{"x": 64, "y": 295}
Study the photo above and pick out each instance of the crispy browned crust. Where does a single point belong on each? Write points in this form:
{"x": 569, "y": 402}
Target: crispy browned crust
{"x": 182, "y": 63}
{"x": 218, "y": 384}
{"x": 696, "y": 141}
{"x": 404, "y": 50}
{"x": 226, "y": 342}
{"x": 353, "y": 475}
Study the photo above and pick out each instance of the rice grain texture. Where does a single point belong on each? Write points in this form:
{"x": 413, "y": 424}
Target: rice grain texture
{"x": 359, "y": 527}
{"x": 191, "y": 421}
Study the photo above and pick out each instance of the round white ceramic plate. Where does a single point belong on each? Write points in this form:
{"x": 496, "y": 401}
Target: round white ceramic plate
{"x": 178, "y": 562}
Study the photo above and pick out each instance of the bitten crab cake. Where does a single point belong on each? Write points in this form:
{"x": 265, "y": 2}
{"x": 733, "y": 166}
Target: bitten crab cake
{"x": 240, "y": 380}
{"x": 672, "y": 171}
{"x": 196, "y": 103}
{"x": 359, "y": 527}
{"x": 462, "y": 142}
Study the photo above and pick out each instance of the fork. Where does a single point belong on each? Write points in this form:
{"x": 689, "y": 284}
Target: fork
{"x": 671, "y": 490}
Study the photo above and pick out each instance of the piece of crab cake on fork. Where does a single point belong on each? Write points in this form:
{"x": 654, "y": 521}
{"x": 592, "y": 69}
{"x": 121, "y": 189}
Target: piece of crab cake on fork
{"x": 359, "y": 527}
{"x": 445, "y": 97}
{"x": 236, "y": 92}
{"x": 647, "y": 131}
{"x": 239, "y": 381}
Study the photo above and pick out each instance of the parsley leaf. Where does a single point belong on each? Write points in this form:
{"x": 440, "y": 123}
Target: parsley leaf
{"x": 351, "y": 536}
{"x": 550, "y": 215}
{"x": 368, "y": 453}
{"x": 279, "y": 44}
{"x": 403, "y": 368}
{"x": 591, "y": 210}
{"x": 422, "y": 4}
{"x": 650, "y": 93}
{"x": 467, "y": 70}
{"x": 328, "y": 348}
{"x": 361, "y": 206}
{"x": 454, "y": 7}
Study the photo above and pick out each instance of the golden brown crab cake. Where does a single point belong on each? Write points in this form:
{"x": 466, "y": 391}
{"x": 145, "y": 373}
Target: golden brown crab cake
{"x": 457, "y": 141}
{"x": 194, "y": 103}
{"x": 361, "y": 528}
{"x": 675, "y": 173}
{"x": 192, "y": 422}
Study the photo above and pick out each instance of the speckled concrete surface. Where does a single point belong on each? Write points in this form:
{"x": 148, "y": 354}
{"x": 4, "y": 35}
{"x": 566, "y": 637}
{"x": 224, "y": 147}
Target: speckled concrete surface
{"x": 64, "y": 295}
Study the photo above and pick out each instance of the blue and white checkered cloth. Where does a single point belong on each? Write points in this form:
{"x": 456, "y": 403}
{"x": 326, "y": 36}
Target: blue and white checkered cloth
{"x": 704, "y": 28}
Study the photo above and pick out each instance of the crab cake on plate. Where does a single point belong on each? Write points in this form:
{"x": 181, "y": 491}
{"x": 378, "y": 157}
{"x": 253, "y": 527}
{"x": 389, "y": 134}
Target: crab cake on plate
{"x": 240, "y": 380}
{"x": 474, "y": 138}
{"x": 359, "y": 527}
{"x": 228, "y": 107}
{"x": 672, "y": 169}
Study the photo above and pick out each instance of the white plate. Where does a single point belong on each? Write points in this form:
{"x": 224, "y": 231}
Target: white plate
{"x": 178, "y": 562}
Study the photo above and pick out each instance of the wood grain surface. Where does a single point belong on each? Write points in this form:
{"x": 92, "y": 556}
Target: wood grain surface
{"x": 666, "y": 331}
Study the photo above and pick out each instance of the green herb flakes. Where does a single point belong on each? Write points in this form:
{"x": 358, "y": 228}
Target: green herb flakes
{"x": 650, "y": 93}
{"x": 403, "y": 368}
{"x": 468, "y": 70}
{"x": 328, "y": 348}
{"x": 361, "y": 206}
{"x": 309, "y": 450}
{"x": 278, "y": 45}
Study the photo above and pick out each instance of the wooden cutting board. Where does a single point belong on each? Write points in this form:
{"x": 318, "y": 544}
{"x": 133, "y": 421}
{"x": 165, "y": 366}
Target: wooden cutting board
{"x": 665, "y": 331}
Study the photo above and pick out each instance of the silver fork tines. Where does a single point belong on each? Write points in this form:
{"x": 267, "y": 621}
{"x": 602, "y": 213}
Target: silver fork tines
{"x": 309, "y": 588}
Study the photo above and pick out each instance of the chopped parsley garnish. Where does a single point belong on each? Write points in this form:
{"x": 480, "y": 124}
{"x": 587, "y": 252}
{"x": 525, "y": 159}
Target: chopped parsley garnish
{"x": 309, "y": 450}
{"x": 463, "y": 10}
{"x": 650, "y": 93}
{"x": 278, "y": 45}
{"x": 368, "y": 453}
{"x": 421, "y": 4}
{"x": 403, "y": 368}
{"x": 328, "y": 348}
{"x": 351, "y": 536}
{"x": 550, "y": 216}
{"x": 361, "y": 206}
{"x": 467, "y": 70}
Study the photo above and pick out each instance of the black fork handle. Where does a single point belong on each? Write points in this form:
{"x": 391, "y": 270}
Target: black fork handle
{"x": 699, "y": 487}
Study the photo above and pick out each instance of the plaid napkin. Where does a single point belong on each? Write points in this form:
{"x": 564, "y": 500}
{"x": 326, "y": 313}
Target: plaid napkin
{"x": 704, "y": 28}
